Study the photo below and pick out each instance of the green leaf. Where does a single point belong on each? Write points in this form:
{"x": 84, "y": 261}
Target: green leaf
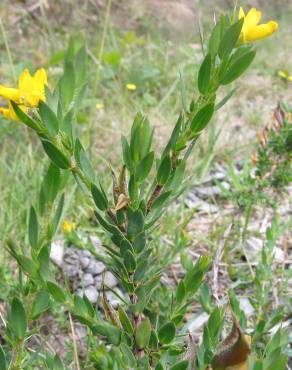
{"x": 3, "y": 363}
{"x": 129, "y": 261}
{"x": 57, "y": 364}
{"x": 139, "y": 243}
{"x": 126, "y": 154}
{"x": 144, "y": 167}
{"x": 174, "y": 136}
{"x": 180, "y": 292}
{"x": 83, "y": 161}
{"x": 33, "y": 228}
{"x": 230, "y": 38}
{"x": 166, "y": 333}
{"x": 49, "y": 119}
{"x": 17, "y": 318}
{"x": 141, "y": 138}
{"x": 24, "y": 117}
{"x": 238, "y": 68}
{"x": 67, "y": 85}
{"x": 164, "y": 170}
{"x": 125, "y": 321}
{"x": 143, "y": 333}
{"x": 202, "y": 118}
{"x": 40, "y": 304}
{"x": 153, "y": 342}
{"x": 99, "y": 198}
{"x": 181, "y": 365}
{"x": 215, "y": 39}
{"x": 159, "y": 202}
{"x": 159, "y": 367}
{"x": 194, "y": 276}
{"x": 129, "y": 356}
{"x": 112, "y": 333}
{"x": 56, "y": 155}
{"x": 52, "y": 182}
{"x": 56, "y": 292}
{"x": 28, "y": 266}
{"x": 135, "y": 223}
{"x": 205, "y": 74}
{"x": 57, "y": 216}
{"x": 225, "y": 99}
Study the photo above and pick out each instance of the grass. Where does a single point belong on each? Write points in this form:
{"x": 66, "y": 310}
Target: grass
{"x": 142, "y": 55}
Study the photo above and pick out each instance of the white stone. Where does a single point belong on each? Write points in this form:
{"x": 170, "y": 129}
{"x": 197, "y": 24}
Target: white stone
{"x": 113, "y": 299}
{"x": 110, "y": 280}
{"x": 87, "y": 280}
{"x": 84, "y": 262}
{"x": 91, "y": 293}
{"x": 246, "y": 306}
{"x": 57, "y": 252}
{"x": 95, "y": 267}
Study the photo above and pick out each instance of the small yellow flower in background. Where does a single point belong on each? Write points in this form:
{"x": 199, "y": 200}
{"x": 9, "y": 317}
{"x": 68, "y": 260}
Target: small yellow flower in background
{"x": 31, "y": 89}
{"x": 251, "y": 29}
{"x": 99, "y": 106}
{"x": 9, "y": 112}
{"x": 68, "y": 227}
{"x": 285, "y": 75}
{"x": 131, "y": 87}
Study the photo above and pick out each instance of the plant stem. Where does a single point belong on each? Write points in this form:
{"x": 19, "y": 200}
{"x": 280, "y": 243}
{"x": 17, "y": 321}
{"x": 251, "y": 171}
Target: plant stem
{"x": 16, "y": 357}
{"x": 8, "y": 51}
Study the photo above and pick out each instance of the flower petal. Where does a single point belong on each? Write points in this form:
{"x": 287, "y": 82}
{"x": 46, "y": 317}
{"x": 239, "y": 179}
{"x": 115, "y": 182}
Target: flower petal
{"x": 252, "y": 18}
{"x": 9, "y": 112}
{"x": 9, "y": 93}
{"x": 261, "y": 31}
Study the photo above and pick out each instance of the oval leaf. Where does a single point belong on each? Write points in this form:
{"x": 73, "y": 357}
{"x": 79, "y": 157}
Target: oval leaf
{"x": 166, "y": 333}
{"x": 56, "y": 155}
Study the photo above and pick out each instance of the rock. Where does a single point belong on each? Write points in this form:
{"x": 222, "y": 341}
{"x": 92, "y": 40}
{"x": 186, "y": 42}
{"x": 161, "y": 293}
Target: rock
{"x": 246, "y": 306}
{"x": 195, "y": 326}
{"x": 95, "y": 241}
{"x": 206, "y": 192}
{"x": 98, "y": 282}
{"x": 84, "y": 262}
{"x": 57, "y": 252}
{"x": 71, "y": 255}
{"x": 87, "y": 280}
{"x": 91, "y": 293}
{"x": 192, "y": 201}
{"x": 85, "y": 253}
{"x": 95, "y": 267}
{"x": 113, "y": 299}
{"x": 110, "y": 280}
{"x": 279, "y": 255}
{"x": 71, "y": 271}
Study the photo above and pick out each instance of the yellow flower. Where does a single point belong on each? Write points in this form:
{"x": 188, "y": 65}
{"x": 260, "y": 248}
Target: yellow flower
{"x": 131, "y": 87}
{"x": 31, "y": 89}
{"x": 285, "y": 75}
{"x": 99, "y": 106}
{"x": 68, "y": 226}
{"x": 9, "y": 112}
{"x": 251, "y": 29}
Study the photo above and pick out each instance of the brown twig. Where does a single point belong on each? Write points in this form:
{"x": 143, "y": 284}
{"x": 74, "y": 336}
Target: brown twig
{"x": 153, "y": 197}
